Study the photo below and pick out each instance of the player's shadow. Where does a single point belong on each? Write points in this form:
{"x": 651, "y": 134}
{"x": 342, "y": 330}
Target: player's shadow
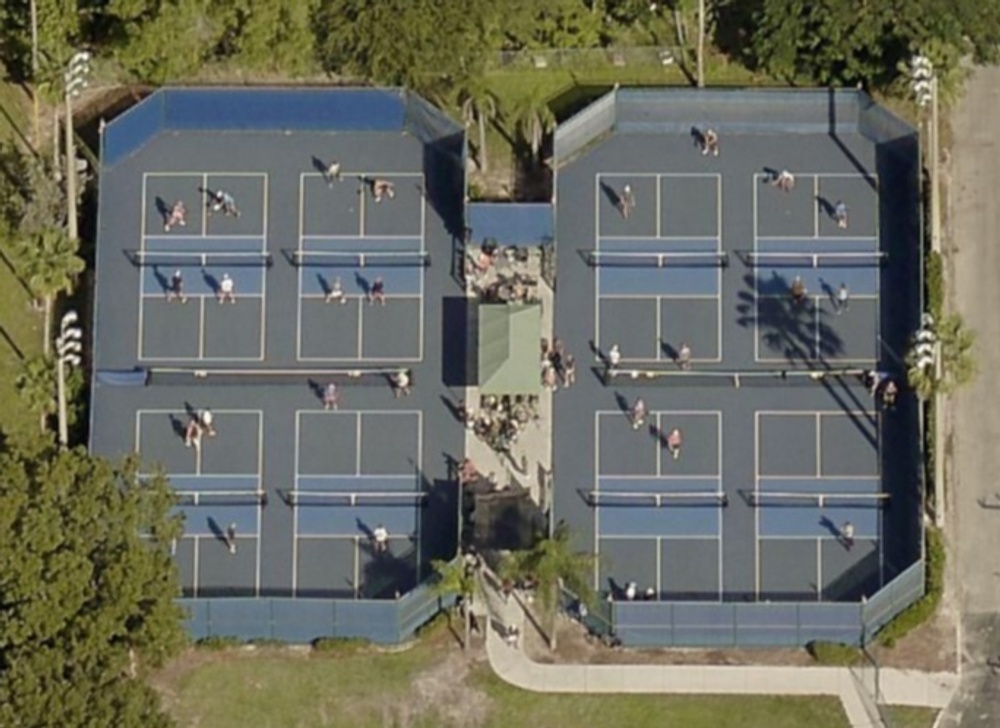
{"x": 609, "y": 192}
{"x": 363, "y": 283}
{"x": 454, "y": 408}
{"x": 623, "y": 403}
{"x": 316, "y": 388}
{"x": 319, "y": 165}
{"x": 828, "y": 291}
{"x": 668, "y": 350}
{"x": 770, "y": 174}
{"x": 211, "y": 281}
{"x": 832, "y": 528}
{"x": 324, "y": 284}
{"x": 697, "y": 138}
{"x": 178, "y": 427}
{"x": 217, "y": 531}
{"x": 825, "y": 206}
{"x": 161, "y": 207}
{"x": 161, "y": 279}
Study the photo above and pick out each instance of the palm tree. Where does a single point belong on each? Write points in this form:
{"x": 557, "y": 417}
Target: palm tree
{"x": 36, "y": 385}
{"x": 479, "y": 105}
{"x": 457, "y": 577}
{"x": 534, "y": 119}
{"x": 553, "y": 565}
{"x": 49, "y": 262}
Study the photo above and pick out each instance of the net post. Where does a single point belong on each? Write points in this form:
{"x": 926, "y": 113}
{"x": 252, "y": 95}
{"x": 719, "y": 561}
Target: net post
{"x": 822, "y": 501}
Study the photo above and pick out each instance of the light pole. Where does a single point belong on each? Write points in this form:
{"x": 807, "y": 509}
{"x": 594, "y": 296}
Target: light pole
{"x": 925, "y": 88}
{"x": 68, "y": 350}
{"x": 76, "y": 78}
{"x": 701, "y": 43}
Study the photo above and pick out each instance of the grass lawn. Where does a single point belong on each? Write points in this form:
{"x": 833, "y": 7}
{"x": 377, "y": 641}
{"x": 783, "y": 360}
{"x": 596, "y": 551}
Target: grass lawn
{"x": 903, "y": 716}
{"x": 20, "y": 326}
{"x": 434, "y": 686}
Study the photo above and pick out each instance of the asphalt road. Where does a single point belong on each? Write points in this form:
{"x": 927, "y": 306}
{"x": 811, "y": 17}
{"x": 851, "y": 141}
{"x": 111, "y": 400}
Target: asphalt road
{"x": 974, "y": 527}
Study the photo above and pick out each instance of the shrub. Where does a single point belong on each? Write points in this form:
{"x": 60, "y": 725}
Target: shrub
{"x": 834, "y": 653}
{"x": 219, "y": 642}
{"x": 339, "y": 644}
{"x": 934, "y": 284}
{"x": 924, "y": 609}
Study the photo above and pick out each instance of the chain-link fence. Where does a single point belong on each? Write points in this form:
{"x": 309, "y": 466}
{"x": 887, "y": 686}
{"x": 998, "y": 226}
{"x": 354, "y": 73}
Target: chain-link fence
{"x": 665, "y": 56}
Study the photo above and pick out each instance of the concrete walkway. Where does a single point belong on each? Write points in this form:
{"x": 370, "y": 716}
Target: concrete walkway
{"x": 511, "y": 664}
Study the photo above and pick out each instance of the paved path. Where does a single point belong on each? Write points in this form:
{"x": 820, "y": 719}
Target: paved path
{"x": 511, "y": 664}
{"x": 974, "y": 222}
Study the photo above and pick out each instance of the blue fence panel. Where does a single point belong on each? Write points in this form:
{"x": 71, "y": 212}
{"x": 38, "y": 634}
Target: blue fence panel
{"x": 300, "y": 621}
{"x": 284, "y": 109}
{"x": 879, "y": 124}
{"x": 582, "y": 129}
{"x": 238, "y": 617}
{"x": 426, "y": 122}
{"x": 373, "y": 620}
{"x": 197, "y": 620}
{"x": 132, "y": 129}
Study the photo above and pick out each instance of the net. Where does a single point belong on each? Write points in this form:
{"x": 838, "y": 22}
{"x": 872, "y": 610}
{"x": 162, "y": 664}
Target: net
{"x": 220, "y": 497}
{"x": 146, "y": 258}
{"x": 873, "y": 259}
{"x": 413, "y": 259}
{"x": 610, "y": 259}
{"x": 315, "y": 379}
{"x": 737, "y": 379}
{"x": 340, "y": 498}
{"x": 764, "y": 499}
{"x": 658, "y": 500}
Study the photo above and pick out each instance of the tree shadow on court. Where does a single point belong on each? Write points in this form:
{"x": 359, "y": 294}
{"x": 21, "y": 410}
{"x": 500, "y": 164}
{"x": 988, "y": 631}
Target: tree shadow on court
{"x": 786, "y": 326}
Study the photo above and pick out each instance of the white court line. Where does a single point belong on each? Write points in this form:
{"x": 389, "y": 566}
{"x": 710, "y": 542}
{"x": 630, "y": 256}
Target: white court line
{"x": 361, "y": 329}
{"x": 299, "y": 248}
{"x": 357, "y": 443}
{"x": 665, "y": 296}
{"x": 815, "y": 207}
{"x": 260, "y": 506}
{"x": 756, "y": 511}
{"x": 202, "y": 173}
{"x": 817, "y": 338}
{"x": 295, "y": 511}
{"x": 756, "y": 313}
{"x": 659, "y": 208}
{"x": 824, "y": 238}
{"x": 819, "y": 570}
{"x": 659, "y": 567}
{"x": 361, "y": 206}
{"x": 210, "y": 296}
{"x": 142, "y": 277}
{"x": 204, "y": 203}
{"x": 361, "y": 297}
{"x": 658, "y": 332}
{"x": 419, "y": 484}
{"x": 357, "y": 565}
{"x": 370, "y": 359}
{"x": 597, "y": 276}
{"x": 358, "y": 237}
{"x": 718, "y": 209}
{"x": 201, "y": 327}
{"x": 633, "y": 476}
{"x": 423, "y": 271}
{"x": 819, "y": 446}
{"x": 194, "y": 566}
{"x": 365, "y": 174}
{"x": 823, "y": 296}
{"x": 597, "y": 511}
{"x": 658, "y": 238}
{"x": 646, "y": 539}
{"x": 264, "y": 206}
{"x": 659, "y": 445}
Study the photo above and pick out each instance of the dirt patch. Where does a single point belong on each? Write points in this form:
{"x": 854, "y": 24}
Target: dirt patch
{"x": 932, "y": 647}
{"x": 441, "y": 691}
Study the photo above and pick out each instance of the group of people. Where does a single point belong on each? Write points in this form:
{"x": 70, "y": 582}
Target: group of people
{"x": 500, "y": 420}
{"x": 841, "y": 298}
{"x": 381, "y": 189}
{"x": 558, "y": 367}
{"x": 225, "y": 289}
{"x": 498, "y": 275}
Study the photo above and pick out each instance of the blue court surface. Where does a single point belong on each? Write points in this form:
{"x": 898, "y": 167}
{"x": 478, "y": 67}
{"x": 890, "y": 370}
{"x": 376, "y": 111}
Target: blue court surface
{"x": 357, "y": 262}
{"x": 794, "y": 518}
{"x": 658, "y": 267}
{"x": 822, "y": 263}
{"x": 376, "y": 505}
{"x": 628, "y": 516}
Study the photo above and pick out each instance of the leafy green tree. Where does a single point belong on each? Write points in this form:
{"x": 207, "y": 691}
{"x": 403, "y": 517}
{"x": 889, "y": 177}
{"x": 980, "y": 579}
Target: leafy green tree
{"x": 459, "y": 578}
{"x": 552, "y": 24}
{"x": 166, "y": 40}
{"x": 50, "y": 264}
{"x": 87, "y": 585}
{"x": 275, "y": 36}
{"x": 553, "y": 564}
{"x": 533, "y": 120}
{"x": 36, "y": 384}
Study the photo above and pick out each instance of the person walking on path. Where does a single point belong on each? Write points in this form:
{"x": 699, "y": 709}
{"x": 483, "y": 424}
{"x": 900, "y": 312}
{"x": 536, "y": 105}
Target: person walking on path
{"x": 231, "y": 538}
{"x": 847, "y": 535}
{"x": 569, "y": 371}
{"x": 332, "y": 173}
{"x": 798, "y": 290}
{"x": 684, "y": 357}
{"x": 784, "y": 181}
{"x": 176, "y": 216}
{"x": 710, "y": 143}
{"x": 843, "y": 298}
{"x": 227, "y": 290}
{"x": 401, "y": 384}
{"x": 380, "y": 536}
{"x": 376, "y": 294}
{"x": 626, "y": 202}
{"x": 637, "y": 414}
{"x": 336, "y": 293}
{"x": 674, "y": 442}
{"x": 331, "y": 397}
{"x": 175, "y": 288}
{"x": 840, "y": 214}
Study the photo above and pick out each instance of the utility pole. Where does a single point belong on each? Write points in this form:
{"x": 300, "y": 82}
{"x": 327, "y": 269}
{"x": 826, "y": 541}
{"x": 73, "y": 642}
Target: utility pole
{"x": 68, "y": 350}
{"x": 76, "y": 80}
{"x": 34, "y": 75}
{"x": 701, "y": 43}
